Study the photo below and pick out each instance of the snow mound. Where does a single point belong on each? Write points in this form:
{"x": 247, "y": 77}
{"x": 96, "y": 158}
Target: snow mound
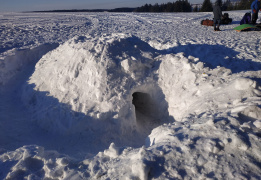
{"x": 107, "y": 86}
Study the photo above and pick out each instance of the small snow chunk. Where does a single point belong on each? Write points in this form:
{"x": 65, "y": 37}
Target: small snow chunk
{"x": 112, "y": 152}
{"x": 186, "y": 64}
{"x": 196, "y": 59}
{"x": 210, "y": 122}
{"x": 162, "y": 153}
{"x": 63, "y": 161}
{"x": 252, "y": 112}
{"x": 244, "y": 84}
{"x": 141, "y": 170}
{"x": 191, "y": 57}
{"x": 199, "y": 66}
{"x": 142, "y": 152}
{"x": 246, "y": 125}
{"x": 257, "y": 123}
{"x": 237, "y": 101}
{"x": 239, "y": 142}
{"x": 133, "y": 58}
{"x": 125, "y": 65}
{"x": 201, "y": 160}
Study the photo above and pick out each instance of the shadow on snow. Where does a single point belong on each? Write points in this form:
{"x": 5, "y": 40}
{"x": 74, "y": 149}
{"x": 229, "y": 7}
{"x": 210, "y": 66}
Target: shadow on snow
{"x": 218, "y": 55}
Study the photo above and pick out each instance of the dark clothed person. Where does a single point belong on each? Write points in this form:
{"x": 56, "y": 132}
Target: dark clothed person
{"x": 255, "y": 6}
{"x": 217, "y": 17}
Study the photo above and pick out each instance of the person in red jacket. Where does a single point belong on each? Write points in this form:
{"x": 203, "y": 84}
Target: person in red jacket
{"x": 255, "y": 6}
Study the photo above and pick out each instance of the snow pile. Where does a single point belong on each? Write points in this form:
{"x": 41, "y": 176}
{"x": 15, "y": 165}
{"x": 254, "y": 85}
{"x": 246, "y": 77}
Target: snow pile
{"x": 106, "y": 82}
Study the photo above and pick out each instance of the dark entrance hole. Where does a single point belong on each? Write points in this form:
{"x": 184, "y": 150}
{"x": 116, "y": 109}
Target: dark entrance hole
{"x": 150, "y": 110}
{"x": 145, "y": 111}
{"x": 142, "y": 103}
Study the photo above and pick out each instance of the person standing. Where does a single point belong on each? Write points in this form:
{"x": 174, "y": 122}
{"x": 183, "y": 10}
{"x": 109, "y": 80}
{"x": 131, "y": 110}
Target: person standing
{"x": 255, "y": 6}
{"x": 217, "y": 16}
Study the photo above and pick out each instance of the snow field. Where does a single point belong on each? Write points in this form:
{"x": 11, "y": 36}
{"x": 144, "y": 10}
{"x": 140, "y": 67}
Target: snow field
{"x": 130, "y": 96}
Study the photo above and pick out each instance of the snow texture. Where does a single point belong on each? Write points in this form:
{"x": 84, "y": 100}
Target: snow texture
{"x": 128, "y": 96}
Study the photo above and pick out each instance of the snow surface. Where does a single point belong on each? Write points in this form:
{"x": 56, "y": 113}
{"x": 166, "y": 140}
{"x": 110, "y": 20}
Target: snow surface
{"x": 128, "y": 96}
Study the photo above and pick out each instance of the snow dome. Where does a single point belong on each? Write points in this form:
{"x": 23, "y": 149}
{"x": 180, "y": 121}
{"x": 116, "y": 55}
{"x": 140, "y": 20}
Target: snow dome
{"x": 108, "y": 82}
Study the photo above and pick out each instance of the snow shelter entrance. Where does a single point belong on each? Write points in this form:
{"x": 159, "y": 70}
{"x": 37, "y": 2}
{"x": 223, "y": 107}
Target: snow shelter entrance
{"x": 144, "y": 108}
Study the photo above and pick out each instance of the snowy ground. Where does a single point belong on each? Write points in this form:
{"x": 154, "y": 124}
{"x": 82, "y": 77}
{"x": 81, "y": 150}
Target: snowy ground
{"x": 128, "y": 96}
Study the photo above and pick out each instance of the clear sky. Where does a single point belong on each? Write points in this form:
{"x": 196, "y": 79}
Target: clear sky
{"x": 36, "y": 5}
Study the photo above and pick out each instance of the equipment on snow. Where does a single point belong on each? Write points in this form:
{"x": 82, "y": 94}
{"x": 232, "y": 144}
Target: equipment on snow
{"x": 225, "y": 19}
{"x": 207, "y": 22}
{"x": 246, "y": 19}
{"x": 246, "y": 27}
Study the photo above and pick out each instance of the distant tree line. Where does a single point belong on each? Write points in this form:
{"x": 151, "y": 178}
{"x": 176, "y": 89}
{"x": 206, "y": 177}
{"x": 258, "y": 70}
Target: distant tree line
{"x": 178, "y": 6}
{"x": 185, "y": 6}
{"x": 226, "y": 5}
{"x": 90, "y": 10}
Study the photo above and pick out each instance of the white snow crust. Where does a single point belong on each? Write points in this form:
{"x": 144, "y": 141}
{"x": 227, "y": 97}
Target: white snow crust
{"x": 128, "y": 96}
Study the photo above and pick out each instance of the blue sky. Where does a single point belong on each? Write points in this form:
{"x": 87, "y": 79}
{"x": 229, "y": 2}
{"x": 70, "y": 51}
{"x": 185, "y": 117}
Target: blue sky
{"x": 35, "y": 5}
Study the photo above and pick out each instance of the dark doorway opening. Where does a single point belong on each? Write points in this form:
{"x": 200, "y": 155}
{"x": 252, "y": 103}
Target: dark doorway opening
{"x": 145, "y": 111}
{"x": 142, "y": 103}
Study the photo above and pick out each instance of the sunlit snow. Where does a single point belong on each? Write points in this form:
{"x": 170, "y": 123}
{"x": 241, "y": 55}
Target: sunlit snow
{"x": 128, "y": 96}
